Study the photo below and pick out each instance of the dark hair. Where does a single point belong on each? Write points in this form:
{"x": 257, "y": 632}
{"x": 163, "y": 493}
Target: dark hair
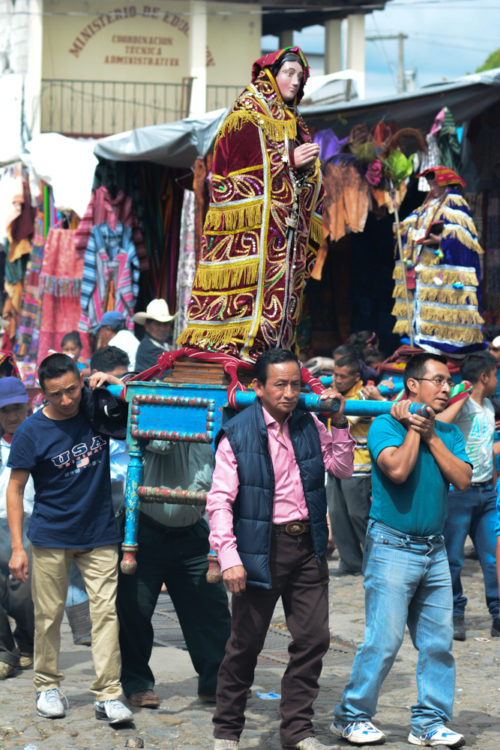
{"x": 491, "y": 332}
{"x": 361, "y": 340}
{"x": 475, "y": 364}
{"x": 372, "y": 356}
{"x": 106, "y": 358}
{"x": 416, "y": 365}
{"x": 73, "y": 337}
{"x": 345, "y": 349}
{"x": 350, "y": 361}
{"x": 272, "y": 357}
{"x": 56, "y": 365}
{"x": 287, "y": 57}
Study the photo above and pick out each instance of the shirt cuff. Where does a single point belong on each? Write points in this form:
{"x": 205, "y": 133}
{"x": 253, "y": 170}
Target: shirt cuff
{"x": 228, "y": 559}
{"x": 341, "y": 434}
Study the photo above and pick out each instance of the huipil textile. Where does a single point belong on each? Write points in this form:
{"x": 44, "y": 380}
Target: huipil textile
{"x": 110, "y": 275}
{"x": 60, "y": 280}
{"x": 444, "y": 303}
{"x": 262, "y": 230}
{"x": 104, "y": 209}
{"x": 186, "y": 266}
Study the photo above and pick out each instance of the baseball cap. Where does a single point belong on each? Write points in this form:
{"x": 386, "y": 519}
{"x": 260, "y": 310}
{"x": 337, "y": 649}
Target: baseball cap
{"x": 111, "y": 318}
{"x": 12, "y": 391}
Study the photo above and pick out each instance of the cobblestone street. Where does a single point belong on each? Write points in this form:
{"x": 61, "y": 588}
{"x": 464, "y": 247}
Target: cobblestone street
{"x": 183, "y": 722}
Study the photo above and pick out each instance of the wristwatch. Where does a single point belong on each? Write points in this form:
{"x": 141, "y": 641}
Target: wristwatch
{"x": 341, "y": 425}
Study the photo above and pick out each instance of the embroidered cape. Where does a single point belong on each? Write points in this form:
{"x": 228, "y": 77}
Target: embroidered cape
{"x": 444, "y": 280}
{"x": 262, "y": 229}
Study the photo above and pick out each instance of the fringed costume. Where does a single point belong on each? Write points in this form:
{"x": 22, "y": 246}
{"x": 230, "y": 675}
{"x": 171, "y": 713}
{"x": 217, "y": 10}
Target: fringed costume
{"x": 262, "y": 229}
{"x": 443, "y": 278}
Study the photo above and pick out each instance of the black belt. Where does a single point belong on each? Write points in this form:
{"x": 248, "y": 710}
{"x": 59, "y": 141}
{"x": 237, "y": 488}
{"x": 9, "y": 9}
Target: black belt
{"x": 486, "y": 483}
{"x": 293, "y": 528}
{"x": 169, "y": 530}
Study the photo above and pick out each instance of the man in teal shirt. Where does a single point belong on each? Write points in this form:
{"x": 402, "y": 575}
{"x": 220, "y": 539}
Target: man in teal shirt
{"x": 407, "y": 577}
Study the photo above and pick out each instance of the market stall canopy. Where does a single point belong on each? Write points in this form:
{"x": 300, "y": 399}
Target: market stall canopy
{"x": 466, "y": 97}
{"x": 176, "y": 144}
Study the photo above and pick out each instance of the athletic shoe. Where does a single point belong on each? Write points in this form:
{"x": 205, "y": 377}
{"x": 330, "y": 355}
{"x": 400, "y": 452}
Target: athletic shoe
{"x": 226, "y": 744}
{"x": 311, "y": 743}
{"x": 440, "y": 736}
{"x": 459, "y": 628}
{"x": 114, "y": 712}
{"x": 495, "y": 628}
{"x": 358, "y": 732}
{"x": 51, "y": 704}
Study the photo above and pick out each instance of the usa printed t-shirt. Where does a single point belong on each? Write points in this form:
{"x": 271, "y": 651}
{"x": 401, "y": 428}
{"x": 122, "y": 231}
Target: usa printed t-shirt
{"x": 69, "y": 463}
{"x": 418, "y": 506}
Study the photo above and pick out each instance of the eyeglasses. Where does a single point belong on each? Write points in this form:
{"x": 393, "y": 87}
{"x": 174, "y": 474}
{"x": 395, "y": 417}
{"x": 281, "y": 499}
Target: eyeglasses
{"x": 438, "y": 381}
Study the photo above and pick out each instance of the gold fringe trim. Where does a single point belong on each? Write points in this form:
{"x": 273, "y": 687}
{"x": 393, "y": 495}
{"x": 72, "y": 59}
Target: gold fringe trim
{"x": 448, "y": 296}
{"x": 456, "y": 232}
{"x": 437, "y": 294}
{"x": 227, "y": 276}
{"x": 455, "y": 215}
{"x": 213, "y": 337}
{"x": 400, "y": 327}
{"x": 273, "y": 129}
{"x": 316, "y": 231}
{"x": 455, "y": 333}
{"x": 234, "y": 218}
{"x": 426, "y": 275}
{"x": 450, "y": 315}
{"x": 399, "y": 309}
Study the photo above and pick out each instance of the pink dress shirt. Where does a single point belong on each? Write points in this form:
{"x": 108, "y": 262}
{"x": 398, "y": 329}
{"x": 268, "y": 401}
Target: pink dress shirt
{"x": 289, "y": 502}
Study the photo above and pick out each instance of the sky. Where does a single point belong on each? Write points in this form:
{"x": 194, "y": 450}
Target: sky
{"x": 446, "y": 39}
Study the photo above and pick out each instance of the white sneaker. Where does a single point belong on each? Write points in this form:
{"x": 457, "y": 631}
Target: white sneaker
{"x": 440, "y": 736}
{"x": 358, "y": 732}
{"x": 226, "y": 744}
{"x": 312, "y": 743}
{"x": 51, "y": 704}
{"x": 114, "y": 712}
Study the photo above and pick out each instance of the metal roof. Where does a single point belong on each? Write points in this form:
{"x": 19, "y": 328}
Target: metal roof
{"x": 465, "y": 97}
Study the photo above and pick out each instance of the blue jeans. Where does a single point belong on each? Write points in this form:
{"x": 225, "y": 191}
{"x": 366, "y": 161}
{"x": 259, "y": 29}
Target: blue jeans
{"x": 407, "y": 581}
{"x": 472, "y": 512}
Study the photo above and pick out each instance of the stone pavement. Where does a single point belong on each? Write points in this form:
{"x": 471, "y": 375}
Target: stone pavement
{"x": 183, "y": 722}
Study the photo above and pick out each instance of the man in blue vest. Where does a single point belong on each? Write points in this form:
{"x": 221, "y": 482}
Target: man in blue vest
{"x": 267, "y": 511}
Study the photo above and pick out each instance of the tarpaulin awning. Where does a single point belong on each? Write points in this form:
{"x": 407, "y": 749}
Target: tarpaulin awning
{"x": 175, "y": 144}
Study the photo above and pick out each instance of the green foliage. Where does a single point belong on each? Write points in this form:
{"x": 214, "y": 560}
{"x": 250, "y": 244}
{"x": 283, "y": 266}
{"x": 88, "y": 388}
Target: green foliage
{"x": 398, "y": 167}
{"x": 492, "y": 61}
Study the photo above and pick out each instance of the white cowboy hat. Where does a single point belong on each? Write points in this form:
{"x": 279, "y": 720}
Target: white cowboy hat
{"x": 156, "y": 310}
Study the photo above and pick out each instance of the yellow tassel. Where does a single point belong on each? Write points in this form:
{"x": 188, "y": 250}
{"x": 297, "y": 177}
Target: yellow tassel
{"x": 227, "y": 276}
{"x": 316, "y": 231}
{"x": 212, "y": 337}
{"x": 233, "y": 219}
{"x": 452, "y": 333}
{"x": 274, "y": 129}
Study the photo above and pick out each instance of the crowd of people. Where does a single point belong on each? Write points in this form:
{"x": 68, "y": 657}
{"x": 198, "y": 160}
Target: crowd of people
{"x": 402, "y": 491}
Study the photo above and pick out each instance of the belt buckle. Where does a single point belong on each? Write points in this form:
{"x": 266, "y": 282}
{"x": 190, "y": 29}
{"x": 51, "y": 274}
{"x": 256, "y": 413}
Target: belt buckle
{"x": 294, "y": 528}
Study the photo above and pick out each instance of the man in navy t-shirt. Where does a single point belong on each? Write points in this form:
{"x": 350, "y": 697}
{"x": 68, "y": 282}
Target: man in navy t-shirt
{"x": 72, "y": 520}
{"x": 407, "y": 576}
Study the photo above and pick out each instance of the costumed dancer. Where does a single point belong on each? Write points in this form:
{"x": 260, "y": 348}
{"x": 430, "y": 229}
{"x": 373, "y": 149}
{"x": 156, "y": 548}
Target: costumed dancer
{"x": 263, "y": 226}
{"x": 442, "y": 269}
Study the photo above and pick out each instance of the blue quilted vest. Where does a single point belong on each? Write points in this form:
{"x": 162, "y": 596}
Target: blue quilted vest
{"x": 253, "y": 508}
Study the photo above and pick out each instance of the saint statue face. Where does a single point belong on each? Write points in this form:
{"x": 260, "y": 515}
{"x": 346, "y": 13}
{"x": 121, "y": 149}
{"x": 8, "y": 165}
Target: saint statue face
{"x": 289, "y": 79}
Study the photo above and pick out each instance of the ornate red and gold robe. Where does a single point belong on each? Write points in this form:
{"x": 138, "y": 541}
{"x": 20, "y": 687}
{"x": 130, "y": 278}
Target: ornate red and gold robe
{"x": 261, "y": 233}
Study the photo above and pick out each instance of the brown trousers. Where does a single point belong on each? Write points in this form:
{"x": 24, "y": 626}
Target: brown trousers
{"x": 303, "y": 587}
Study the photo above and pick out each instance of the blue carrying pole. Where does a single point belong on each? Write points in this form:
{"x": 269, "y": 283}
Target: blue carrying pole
{"x": 353, "y": 408}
